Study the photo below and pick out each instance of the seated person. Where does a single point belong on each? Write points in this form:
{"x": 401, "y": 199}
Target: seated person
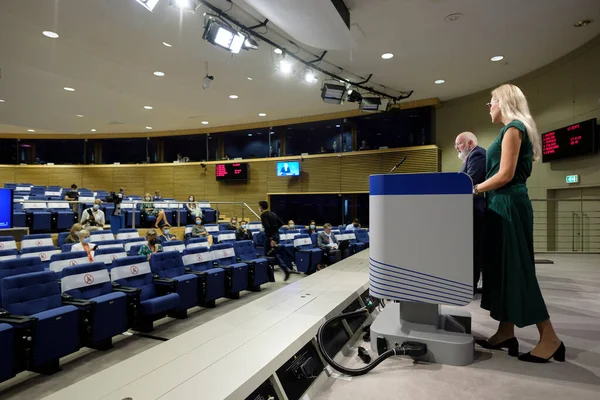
{"x": 166, "y": 235}
{"x": 232, "y": 224}
{"x": 327, "y": 242}
{"x": 147, "y": 208}
{"x": 285, "y": 170}
{"x": 72, "y": 195}
{"x": 195, "y": 211}
{"x": 73, "y": 238}
{"x": 151, "y": 246}
{"x": 157, "y": 196}
{"x": 312, "y": 228}
{"x": 291, "y": 224}
{"x": 354, "y": 225}
{"x": 92, "y": 218}
{"x": 199, "y": 231}
{"x": 243, "y": 233}
{"x": 85, "y": 244}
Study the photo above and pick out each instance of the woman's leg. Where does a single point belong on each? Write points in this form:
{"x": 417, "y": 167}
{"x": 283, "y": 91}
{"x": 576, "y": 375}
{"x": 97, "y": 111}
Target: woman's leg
{"x": 549, "y": 341}
{"x": 506, "y": 330}
{"x": 161, "y": 217}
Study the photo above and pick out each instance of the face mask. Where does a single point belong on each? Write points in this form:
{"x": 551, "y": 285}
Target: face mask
{"x": 292, "y": 226}
{"x": 198, "y": 222}
{"x": 191, "y": 199}
{"x": 233, "y": 222}
{"x": 356, "y": 225}
{"x": 148, "y": 198}
{"x": 152, "y": 242}
{"x": 167, "y": 231}
{"x": 312, "y": 227}
{"x": 86, "y": 240}
{"x": 96, "y": 207}
{"x": 243, "y": 226}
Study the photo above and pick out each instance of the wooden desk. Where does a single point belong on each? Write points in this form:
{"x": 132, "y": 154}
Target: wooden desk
{"x": 230, "y": 356}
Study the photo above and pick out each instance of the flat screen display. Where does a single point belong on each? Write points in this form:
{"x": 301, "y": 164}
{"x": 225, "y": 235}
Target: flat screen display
{"x": 288, "y": 168}
{"x": 571, "y": 141}
{"x": 232, "y": 172}
{"x": 6, "y": 208}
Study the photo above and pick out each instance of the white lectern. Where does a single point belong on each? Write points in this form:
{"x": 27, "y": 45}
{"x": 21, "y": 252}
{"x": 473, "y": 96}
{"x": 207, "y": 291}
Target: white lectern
{"x": 421, "y": 258}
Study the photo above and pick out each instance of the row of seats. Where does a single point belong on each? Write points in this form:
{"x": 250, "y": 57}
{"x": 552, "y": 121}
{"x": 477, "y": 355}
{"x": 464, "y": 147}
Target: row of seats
{"x": 48, "y": 314}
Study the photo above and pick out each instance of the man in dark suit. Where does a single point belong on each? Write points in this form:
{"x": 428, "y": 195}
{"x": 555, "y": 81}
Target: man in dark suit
{"x": 271, "y": 224}
{"x": 473, "y": 158}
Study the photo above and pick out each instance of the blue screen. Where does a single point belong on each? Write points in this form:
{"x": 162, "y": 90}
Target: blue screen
{"x": 290, "y": 168}
{"x": 6, "y": 208}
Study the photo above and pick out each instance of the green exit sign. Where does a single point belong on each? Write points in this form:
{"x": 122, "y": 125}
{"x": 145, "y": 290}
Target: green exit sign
{"x": 572, "y": 178}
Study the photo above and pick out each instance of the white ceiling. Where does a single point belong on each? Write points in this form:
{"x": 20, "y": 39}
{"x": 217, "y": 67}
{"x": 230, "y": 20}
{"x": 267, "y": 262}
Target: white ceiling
{"x": 108, "y": 49}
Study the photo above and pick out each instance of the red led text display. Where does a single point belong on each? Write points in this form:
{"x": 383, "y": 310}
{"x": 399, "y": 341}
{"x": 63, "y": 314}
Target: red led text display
{"x": 235, "y": 171}
{"x": 570, "y": 141}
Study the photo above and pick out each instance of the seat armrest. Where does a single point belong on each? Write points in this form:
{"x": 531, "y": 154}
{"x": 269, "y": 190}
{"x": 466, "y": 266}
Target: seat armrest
{"x": 18, "y": 320}
{"x": 68, "y": 300}
{"x": 130, "y": 291}
{"x": 165, "y": 286}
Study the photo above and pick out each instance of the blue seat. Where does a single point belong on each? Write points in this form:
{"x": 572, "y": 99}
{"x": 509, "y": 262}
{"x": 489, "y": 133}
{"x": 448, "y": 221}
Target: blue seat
{"x": 307, "y": 257}
{"x": 18, "y": 266}
{"x": 7, "y": 352}
{"x": 127, "y": 233}
{"x": 37, "y": 240}
{"x": 129, "y": 243}
{"x": 211, "y": 281}
{"x": 196, "y": 242}
{"x": 362, "y": 235}
{"x": 223, "y": 226}
{"x": 19, "y": 216}
{"x": 174, "y": 245}
{"x": 58, "y": 262}
{"x": 188, "y": 231}
{"x": 209, "y": 216}
{"x": 54, "y": 326}
{"x": 134, "y": 250}
{"x": 65, "y": 248}
{"x": 259, "y": 270}
{"x": 7, "y": 243}
{"x": 105, "y": 312}
{"x": 236, "y": 274}
{"x": 9, "y": 254}
{"x": 226, "y": 237}
{"x": 63, "y": 216}
{"x": 131, "y": 214}
{"x": 108, "y": 255}
{"x": 44, "y": 253}
{"x": 62, "y": 236}
{"x": 149, "y": 300}
{"x": 98, "y": 237}
{"x": 41, "y": 218}
{"x": 355, "y": 244}
{"x": 169, "y": 266}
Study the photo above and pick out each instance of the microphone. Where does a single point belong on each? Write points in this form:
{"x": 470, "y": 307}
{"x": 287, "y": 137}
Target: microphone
{"x": 399, "y": 164}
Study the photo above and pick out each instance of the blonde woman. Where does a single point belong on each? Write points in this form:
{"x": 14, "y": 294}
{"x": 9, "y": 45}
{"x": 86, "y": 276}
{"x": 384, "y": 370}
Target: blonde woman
{"x": 85, "y": 244}
{"x": 510, "y": 288}
{"x": 73, "y": 238}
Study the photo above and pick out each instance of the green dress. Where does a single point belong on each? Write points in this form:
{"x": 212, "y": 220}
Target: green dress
{"x": 510, "y": 288}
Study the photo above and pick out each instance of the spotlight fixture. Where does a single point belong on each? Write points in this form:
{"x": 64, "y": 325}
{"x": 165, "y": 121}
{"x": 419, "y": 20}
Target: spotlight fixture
{"x": 222, "y": 35}
{"x": 250, "y": 44}
{"x": 50, "y": 34}
{"x": 262, "y": 114}
{"x": 167, "y": 44}
{"x": 497, "y": 58}
{"x": 159, "y": 73}
{"x": 148, "y": 107}
{"x": 204, "y": 122}
{"x": 184, "y": 5}
{"x": 92, "y": 130}
{"x": 439, "y": 81}
{"x": 370, "y": 104}
{"x": 80, "y": 116}
{"x": 206, "y": 81}
{"x": 285, "y": 66}
{"x": 69, "y": 89}
{"x": 249, "y": 78}
{"x": 278, "y": 51}
{"x": 582, "y": 23}
{"x": 148, "y": 4}
{"x": 332, "y": 93}
{"x": 387, "y": 56}
{"x": 1, "y": 100}
{"x": 149, "y": 127}
{"x": 233, "y": 96}
{"x": 354, "y": 96}
{"x": 309, "y": 75}
{"x": 30, "y": 130}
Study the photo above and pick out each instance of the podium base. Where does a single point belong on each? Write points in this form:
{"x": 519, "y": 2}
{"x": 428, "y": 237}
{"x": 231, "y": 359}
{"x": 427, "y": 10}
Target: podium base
{"x": 445, "y": 330}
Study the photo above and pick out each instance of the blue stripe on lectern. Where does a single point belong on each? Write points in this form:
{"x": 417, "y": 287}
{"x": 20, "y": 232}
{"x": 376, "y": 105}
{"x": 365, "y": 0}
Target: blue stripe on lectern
{"x": 425, "y": 295}
{"x": 388, "y": 292}
{"x": 386, "y": 296}
{"x": 420, "y": 184}
{"x": 433, "y": 278}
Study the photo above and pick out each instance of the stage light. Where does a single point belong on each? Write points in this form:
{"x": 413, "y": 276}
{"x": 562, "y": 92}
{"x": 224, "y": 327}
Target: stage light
{"x": 309, "y": 75}
{"x": 223, "y": 36}
{"x": 354, "y": 96}
{"x": 187, "y": 5}
{"x": 286, "y": 67}
{"x": 148, "y": 4}
{"x": 370, "y": 104}
{"x": 332, "y": 93}
{"x": 250, "y": 44}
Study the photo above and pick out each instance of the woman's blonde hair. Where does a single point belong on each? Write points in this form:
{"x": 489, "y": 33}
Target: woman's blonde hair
{"x": 150, "y": 232}
{"x": 76, "y": 228}
{"x": 513, "y": 105}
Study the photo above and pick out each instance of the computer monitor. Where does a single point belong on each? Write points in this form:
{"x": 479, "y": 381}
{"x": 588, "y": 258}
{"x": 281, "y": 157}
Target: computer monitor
{"x": 288, "y": 168}
{"x": 6, "y": 208}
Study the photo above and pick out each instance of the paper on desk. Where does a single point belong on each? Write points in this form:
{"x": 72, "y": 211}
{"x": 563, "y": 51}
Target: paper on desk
{"x": 336, "y": 375}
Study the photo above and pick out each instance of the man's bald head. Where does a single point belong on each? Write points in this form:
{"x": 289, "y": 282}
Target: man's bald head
{"x": 465, "y": 142}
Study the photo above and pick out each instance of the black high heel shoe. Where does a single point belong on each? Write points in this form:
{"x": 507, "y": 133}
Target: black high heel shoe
{"x": 512, "y": 345}
{"x": 559, "y": 355}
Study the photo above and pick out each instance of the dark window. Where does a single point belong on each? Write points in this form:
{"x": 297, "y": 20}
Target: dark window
{"x": 246, "y": 144}
{"x": 8, "y": 151}
{"x": 190, "y": 146}
{"x": 124, "y": 151}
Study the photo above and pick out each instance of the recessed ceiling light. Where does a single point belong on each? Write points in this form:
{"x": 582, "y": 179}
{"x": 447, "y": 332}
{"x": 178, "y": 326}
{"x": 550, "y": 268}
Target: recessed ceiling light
{"x": 204, "y": 122}
{"x": 337, "y": 126}
{"x": 50, "y": 34}
{"x": 80, "y": 116}
{"x": 233, "y": 96}
{"x": 262, "y": 114}
{"x": 497, "y": 58}
{"x": 159, "y": 73}
{"x": 69, "y": 89}
{"x": 30, "y": 130}
{"x": 452, "y": 17}
{"x": 148, "y": 107}
{"x": 249, "y": 78}
{"x": 148, "y": 127}
{"x": 1, "y": 100}
{"x": 387, "y": 56}
{"x": 92, "y": 130}
{"x": 582, "y": 23}
{"x": 249, "y": 134}
{"x": 167, "y": 44}
{"x": 439, "y": 81}
{"x": 278, "y": 51}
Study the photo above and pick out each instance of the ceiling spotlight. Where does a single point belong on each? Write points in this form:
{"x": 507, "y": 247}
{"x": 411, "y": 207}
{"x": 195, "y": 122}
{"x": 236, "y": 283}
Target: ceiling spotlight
{"x": 148, "y": 4}
{"x": 80, "y": 116}
{"x": 285, "y": 66}
{"x": 1, "y": 100}
{"x": 370, "y": 104}
{"x": 250, "y": 44}
{"x": 387, "y": 56}
{"x": 69, "y": 89}
{"x": 582, "y": 23}
{"x": 206, "y": 81}
{"x": 452, "y": 17}
{"x": 233, "y": 96}
{"x": 159, "y": 73}
{"x": 249, "y": 78}
{"x": 439, "y": 81}
{"x": 222, "y": 35}
{"x": 148, "y": 107}
{"x": 187, "y": 5}
{"x": 278, "y": 51}
{"x": 497, "y": 58}
{"x": 30, "y": 130}
{"x": 92, "y": 130}
{"x": 262, "y": 114}
{"x": 309, "y": 76}
{"x": 204, "y": 122}
{"x": 354, "y": 96}
{"x": 50, "y": 34}
{"x": 149, "y": 127}
{"x": 167, "y": 44}
{"x": 332, "y": 93}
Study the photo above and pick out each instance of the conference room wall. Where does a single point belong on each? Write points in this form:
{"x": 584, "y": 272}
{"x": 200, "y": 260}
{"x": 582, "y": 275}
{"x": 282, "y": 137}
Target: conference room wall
{"x": 328, "y": 173}
{"x": 564, "y": 92}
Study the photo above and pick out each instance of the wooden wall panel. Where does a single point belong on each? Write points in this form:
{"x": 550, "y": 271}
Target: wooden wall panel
{"x": 35, "y": 175}
{"x": 355, "y": 171}
{"x": 7, "y": 175}
{"x": 159, "y": 179}
{"x": 321, "y": 174}
{"x": 65, "y": 176}
{"x": 99, "y": 178}
{"x": 188, "y": 179}
{"x": 132, "y": 179}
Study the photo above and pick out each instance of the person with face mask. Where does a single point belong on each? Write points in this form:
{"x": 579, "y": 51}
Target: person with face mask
{"x": 243, "y": 233}
{"x": 73, "y": 238}
{"x": 85, "y": 244}
{"x": 151, "y": 246}
{"x": 92, "y": 219}
{"x": 193, "y": 208}
{"x": 148, "y": 208}
{"x": 312, "y": 228}
{"x": 291, "y": 224}
{"x": 166, "y": 235}
{"x": 199, "y": 231}
{"x": 354, "y": 225}
{"x": 233, "y": 226}
{"x": 473, "y": 158}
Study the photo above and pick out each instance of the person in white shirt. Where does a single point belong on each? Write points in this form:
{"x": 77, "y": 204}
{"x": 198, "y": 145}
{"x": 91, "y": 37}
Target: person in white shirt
{"x": 85, "y": 244}
{"x": 354, "y": 225}
{"x": 92, "y": 218}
